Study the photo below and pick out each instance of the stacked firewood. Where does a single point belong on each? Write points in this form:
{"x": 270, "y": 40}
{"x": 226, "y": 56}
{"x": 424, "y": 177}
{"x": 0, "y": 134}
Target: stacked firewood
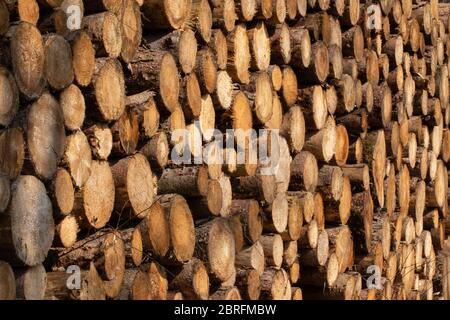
{"x": 113, "y": 183}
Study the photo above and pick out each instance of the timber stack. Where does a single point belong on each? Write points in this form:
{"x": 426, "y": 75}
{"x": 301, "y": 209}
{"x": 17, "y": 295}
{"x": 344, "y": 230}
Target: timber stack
{"x": 117, "y": 160}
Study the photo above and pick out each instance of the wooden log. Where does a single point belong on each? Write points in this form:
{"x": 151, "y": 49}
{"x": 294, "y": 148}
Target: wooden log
{"x": 216, "y": 248}
{"x": 83, "y": 55}
{"x": 248, "y": 212}
{"x": 94, "y": 211}
{"x": 322, "y": 143}
{"x": 300, "y": 47}
{"x": 4, "y": 15}
{"x": 28, "y": 55}
{"x": 45, "y": 136}
{"x": 281, "y": 45}
{"x": 317, "y": 256}
{"x": 251, "y": 258}
{"x": 192, "y": 281}
{"x": 7, "y": 282}
{"x": 318, "y": 70}
{"x": 27, "y": 243}
{"x": 275, "y": 285}
{"x": 304, "y": 172}
{"x": 166, "y": 15}
{"x": 13, "y": 146}
{"x": 248, "y": 282}
{"x": 31, "y": 283}
{"x": 9, "y": 97}
{"x": 239, "y": 55}
{"x": 105, "y": 32}
{"x": 315, "y": 106}
{"x": 91, "y": 286}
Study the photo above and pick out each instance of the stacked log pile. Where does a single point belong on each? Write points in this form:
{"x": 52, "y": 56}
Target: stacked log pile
{"x": 113, "y": 183}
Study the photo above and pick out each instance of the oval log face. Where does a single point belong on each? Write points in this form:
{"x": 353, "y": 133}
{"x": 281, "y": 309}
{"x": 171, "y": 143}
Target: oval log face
{"x": 27, "y": 52}
{"x": 9, "y": 97}
{"x": 110, "y": 90}
{"x": 32, "y": 222}
{"x": 98, "y": 209}
{"x": 45, "y": 135}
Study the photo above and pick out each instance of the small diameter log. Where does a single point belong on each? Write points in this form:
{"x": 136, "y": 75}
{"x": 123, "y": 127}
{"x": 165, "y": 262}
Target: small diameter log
{"x": 338, "y": 211}
{"x": 179, "y": 217}
{"x": 155, "y": 230}
{"x": 362, "y": 218}
{"x": 7, "y": 282}
{"x": 314, "y": 103}
{"x": 92, "y": 287}
{"x": 239, "y": 56}
{"x": 304, "y": 172}
{"x": 9, "y": 97}
{"x": 293, "y": 128}
{"x": 45, "y": 135}
{"x": 92, "y": 209}
{"x": 358, "y": 174}
{"x": 131, "y": 29}
{"x": 125, "y": 134}
{"x": 215, "y": 246}
{"x": 135, "y": 185}
{"x": 248, "y": 282}
{"x": 260, "y": 47}
{"x": 28, "y": 54}
{"x": 134, "y": 252}
{"x": 322, "y": 143}
{"x": 206, "y": 69}
{"x": 109, "y": 88}
{"x": 13, "y": 152}
{"x": 251, "y": 258}
{"x": 353, "y": 43}
{"x": 276, "y": 214}
{"x": 295, "y": 219}
{"x": 58, "y": 70}
{"x": 106, "y": 248}
{"x": 248, "y": 212}
{"x": 273, "y": 249}
{"x": 25, "y": 241}
{"x": 136, "y": 285}
{"x": 289, "y": 90}
{"x": 260, "y": 92}
{"x": 331, "y": 179}
{"x": 342, "y": 244}
{"x": 66, "y": 231}
{"x": 83, "y": 55}
{"x": 148, "y": 114}
{"x": 78, "y": 158}
{"x": 31, "y": 283}
{"x": 275, "y": 285}
{"x": 63, "y": 192}
{"x": 318, "y": 277}
{"x": 73, "y": 107}
{"x": 375, "y": 144}
{"x": 317, "y": 256}
{"x": 166, "y": 14}
{"x": 190, "y": 181}
{"x": 156, "y": 70}
{"x": 157, "y": 150}
{"x": 105, "y": 32}
{"x": 5, "y": 192}
{"x": 192, "y": 281}
{"x": 318, "y": 70}
{"x": 101, "y": 140}
{"x": 300, "y": 48}
{"x": 224, "y": 15}
{"x": 281, "y": 45}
